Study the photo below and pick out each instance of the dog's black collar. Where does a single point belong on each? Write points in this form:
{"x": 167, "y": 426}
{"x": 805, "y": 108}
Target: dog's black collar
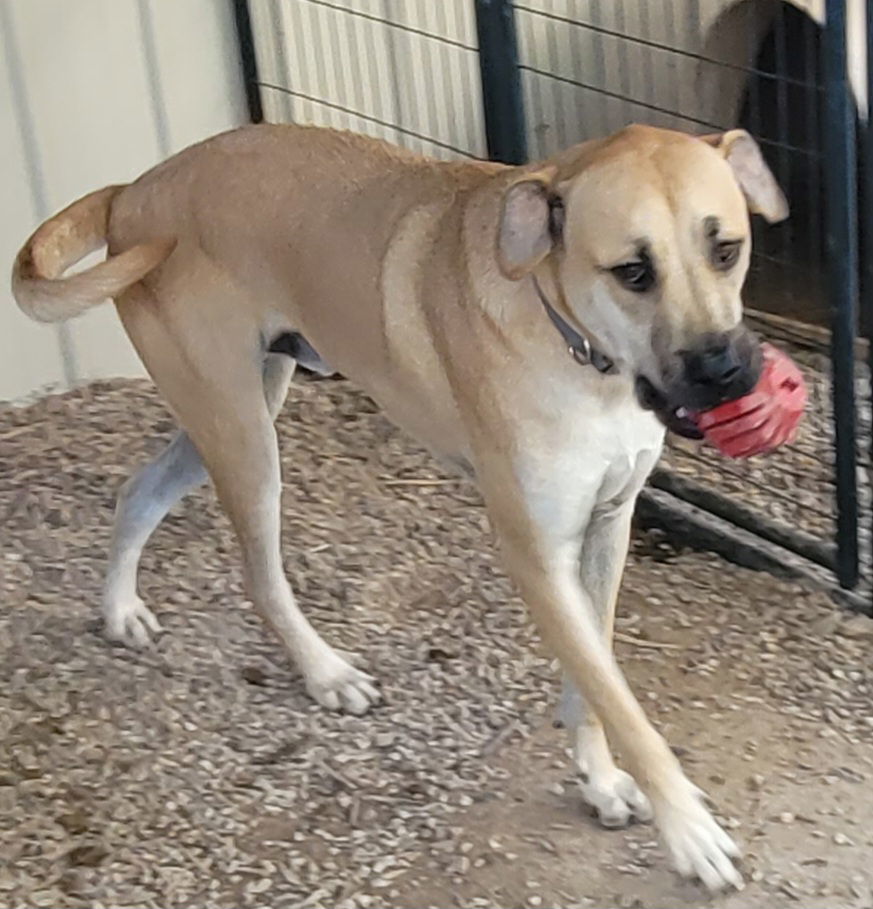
{"x": 579, "y": 348}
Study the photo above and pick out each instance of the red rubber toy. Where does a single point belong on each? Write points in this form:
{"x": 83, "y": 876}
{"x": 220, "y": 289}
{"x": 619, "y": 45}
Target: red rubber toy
{"x": 765, "y": 418}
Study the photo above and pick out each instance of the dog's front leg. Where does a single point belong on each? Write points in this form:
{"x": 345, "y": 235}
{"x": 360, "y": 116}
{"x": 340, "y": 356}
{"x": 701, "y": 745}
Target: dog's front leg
{"x": 542, "y": 555}
{"x": 611, "y": 792}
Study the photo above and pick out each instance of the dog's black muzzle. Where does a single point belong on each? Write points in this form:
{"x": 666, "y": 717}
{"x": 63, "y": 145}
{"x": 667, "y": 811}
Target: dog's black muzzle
{"x": 719, "y": 368}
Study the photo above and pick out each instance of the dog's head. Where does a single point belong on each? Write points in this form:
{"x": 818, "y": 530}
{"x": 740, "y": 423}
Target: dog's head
{"x": 643, "y": 241}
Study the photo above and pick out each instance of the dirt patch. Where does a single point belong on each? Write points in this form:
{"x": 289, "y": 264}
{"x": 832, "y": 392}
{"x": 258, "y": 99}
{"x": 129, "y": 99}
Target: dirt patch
{"x": 197, "y": 773}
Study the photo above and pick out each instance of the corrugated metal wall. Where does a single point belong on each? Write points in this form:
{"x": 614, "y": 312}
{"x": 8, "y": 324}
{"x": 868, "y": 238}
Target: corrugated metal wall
{"x": 403, "y": 71}
{"x": 94, "y": 92}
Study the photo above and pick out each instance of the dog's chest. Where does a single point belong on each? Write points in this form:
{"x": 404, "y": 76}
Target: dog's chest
{"x": 618, "y": 451}
{"x": 628, "y": 444}
{"x": 599, "y": 457}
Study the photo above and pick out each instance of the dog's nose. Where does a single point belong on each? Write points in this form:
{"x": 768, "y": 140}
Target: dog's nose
{"x": 716, "y": 365}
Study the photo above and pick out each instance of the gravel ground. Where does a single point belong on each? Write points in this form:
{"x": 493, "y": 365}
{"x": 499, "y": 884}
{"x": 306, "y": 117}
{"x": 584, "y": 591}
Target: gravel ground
{"x": 198, "y": 773}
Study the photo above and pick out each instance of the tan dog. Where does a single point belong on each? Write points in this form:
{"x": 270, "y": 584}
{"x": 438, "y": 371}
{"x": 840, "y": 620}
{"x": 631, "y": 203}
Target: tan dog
{"x": 451, "y": 294}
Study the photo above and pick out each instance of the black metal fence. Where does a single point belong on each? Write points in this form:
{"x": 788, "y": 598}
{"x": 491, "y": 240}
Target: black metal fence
{"x": 539, "y": 75}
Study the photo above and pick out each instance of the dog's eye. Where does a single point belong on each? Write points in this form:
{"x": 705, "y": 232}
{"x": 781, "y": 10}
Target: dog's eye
{"x": 726, "y": 254}
{"x": 637, "y": 276}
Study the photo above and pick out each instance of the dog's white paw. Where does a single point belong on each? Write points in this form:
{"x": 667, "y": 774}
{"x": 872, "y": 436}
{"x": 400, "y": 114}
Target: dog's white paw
{"x": 700, "y": 848}
{"x": 130, "y": 622}
{"x": 337, "y": 685}
{"x": 615, "y": 797}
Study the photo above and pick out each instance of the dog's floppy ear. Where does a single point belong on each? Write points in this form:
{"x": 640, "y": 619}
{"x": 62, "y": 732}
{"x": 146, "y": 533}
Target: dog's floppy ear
{"x": 530, "y": 222}
{"x": 756, "y": 180}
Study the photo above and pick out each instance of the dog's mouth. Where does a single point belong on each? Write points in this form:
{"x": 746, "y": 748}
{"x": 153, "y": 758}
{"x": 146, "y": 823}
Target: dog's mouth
{"x": 677, "y": 419}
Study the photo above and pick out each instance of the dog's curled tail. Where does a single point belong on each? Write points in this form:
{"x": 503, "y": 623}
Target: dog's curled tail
{"x": 37, "y": 282}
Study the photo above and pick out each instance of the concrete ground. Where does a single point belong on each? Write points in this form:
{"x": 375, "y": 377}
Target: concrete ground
{"x": 198, "y": 773}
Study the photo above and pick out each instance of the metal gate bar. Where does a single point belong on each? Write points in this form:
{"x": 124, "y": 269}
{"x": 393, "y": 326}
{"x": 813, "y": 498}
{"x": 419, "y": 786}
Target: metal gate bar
{"x": 866, "y": 222}
{"x": 841, "y": 231}
{"x": 248, "y": 62}
{"x": 804, "y": 544}
{"x": 501, "y": 82}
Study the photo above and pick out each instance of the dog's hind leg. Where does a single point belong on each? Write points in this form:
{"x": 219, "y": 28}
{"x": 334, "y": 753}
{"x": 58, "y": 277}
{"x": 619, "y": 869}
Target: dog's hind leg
{"x": 142, "y": 504}
{"x": 144, "y": 501}
{"x": 204, "y": 351}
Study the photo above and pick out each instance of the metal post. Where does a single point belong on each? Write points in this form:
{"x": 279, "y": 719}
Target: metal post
{"x": 248, "y": 61}
{"x": 867, "y": 233}
{"x": 501, "y": 81}
{"x": 842, "y": 252}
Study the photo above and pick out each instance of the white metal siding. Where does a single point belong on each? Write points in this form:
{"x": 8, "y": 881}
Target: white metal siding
{"x": 403, "y": 71}
{"x": 91, "y": 93}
